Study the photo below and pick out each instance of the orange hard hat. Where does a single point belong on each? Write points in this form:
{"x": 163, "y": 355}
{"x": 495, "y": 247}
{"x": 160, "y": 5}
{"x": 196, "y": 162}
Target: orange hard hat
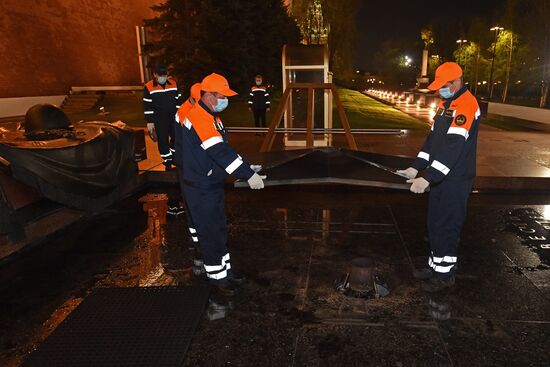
{"x": 196, "y": 91}
{"x": 446, "y": 72}
{"x": 217, "y": 83}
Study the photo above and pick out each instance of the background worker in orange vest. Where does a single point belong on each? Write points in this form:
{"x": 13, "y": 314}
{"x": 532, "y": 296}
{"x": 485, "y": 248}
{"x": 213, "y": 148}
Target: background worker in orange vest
{"x": 161, "y": 100}
{"x": 259, "y": 102}
{"x": 207, "y": 158}
{"x": 448, "y": 162}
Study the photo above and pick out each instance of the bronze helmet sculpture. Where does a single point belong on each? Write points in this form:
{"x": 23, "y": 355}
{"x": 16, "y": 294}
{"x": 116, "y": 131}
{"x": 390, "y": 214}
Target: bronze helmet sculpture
{"x": 46, "y": 121}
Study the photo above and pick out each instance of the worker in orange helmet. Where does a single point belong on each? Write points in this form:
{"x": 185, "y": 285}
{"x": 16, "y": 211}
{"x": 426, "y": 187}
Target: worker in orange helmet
{"x": 207, "y": 158}
{"x": 448, "y": 162}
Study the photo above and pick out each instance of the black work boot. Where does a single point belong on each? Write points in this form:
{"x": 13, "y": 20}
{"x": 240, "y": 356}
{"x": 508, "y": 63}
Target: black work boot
{"x": 423, "y": 274}
{"x": 236, "y": 278}
{"x": 436, "y": 284}
{"x": 169, "y": 165}
{"x": 225, "y": 288}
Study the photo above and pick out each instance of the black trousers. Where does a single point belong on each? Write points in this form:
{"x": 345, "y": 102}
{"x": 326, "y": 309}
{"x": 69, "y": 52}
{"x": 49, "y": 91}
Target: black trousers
{"x": 164, "y": 127}
{"x": 259, "y": 117}
{"x": 207, "y": 211}
{"x": 446, "y": 214}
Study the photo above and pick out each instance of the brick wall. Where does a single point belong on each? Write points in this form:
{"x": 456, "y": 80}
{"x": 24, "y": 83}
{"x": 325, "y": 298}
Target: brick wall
{"x": 48, "y": 46}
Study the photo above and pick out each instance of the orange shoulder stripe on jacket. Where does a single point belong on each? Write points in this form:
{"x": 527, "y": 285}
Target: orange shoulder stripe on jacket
{"x": 183, "y": 111}
{"x": 467, "y": 110}
{"x": 203, "y": 123}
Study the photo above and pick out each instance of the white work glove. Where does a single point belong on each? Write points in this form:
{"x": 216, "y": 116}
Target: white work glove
{"x": 152, "y": 131}
{"x": 409, "y": 173}
{"x": 256, "y": 182}
{"x": 418, "y": 185}
{"x": 256, "y": 167}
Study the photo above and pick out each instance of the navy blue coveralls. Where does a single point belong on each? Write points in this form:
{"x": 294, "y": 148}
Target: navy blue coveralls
{"x": 207, "y": 159}
{"x": 448, "y": 158}
{"x": 259, "y": 103}
{"x": 160, "y": 104}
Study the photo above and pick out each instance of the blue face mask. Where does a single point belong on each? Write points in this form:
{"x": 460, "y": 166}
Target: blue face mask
{"x": 222, "y": 105}
{"x": 162, "y": 79}
{"x": 446, "y": 93}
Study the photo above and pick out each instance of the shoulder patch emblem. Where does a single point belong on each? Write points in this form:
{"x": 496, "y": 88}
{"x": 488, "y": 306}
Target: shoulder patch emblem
{"x": 460, "y": 120}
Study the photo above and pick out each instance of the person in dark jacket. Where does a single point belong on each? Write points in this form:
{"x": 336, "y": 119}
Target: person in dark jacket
{"x": 448, "y": 162}
{"x": 259, "y": 102}
{"x": 161, "y": 100}
{"x": 207, "y": 158}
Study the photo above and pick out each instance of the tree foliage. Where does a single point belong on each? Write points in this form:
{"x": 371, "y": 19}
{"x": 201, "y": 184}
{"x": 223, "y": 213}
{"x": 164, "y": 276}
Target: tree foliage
{"x": 427, "y": 36}
{"x": 237, "y": 38}
{"x": 522, "y": 57}
{"x": 391, "y": 68}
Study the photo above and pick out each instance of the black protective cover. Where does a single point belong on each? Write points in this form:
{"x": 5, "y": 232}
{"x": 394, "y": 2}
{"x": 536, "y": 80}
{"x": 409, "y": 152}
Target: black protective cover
{"x": 330, "y": 166}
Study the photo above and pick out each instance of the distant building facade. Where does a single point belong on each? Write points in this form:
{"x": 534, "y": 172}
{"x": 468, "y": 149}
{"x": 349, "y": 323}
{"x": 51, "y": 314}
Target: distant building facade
{"x": 48, "y": 46}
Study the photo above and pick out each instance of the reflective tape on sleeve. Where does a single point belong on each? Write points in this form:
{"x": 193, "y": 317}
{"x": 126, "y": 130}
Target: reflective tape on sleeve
{"x": 458, "y": 131}
{"x": 234, "y": 165}
{"x": 424, "y": 155}
{"x": 441, "y": 167}
{"x": 208, "y": 143}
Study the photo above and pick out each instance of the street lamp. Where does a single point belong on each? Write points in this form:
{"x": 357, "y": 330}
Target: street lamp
{"x": 461, "y": 41}
{"x": 497, "y": 31}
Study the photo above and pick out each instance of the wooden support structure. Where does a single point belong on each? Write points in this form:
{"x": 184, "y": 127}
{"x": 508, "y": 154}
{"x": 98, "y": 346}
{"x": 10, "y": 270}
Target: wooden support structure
{"x": 283, "y": 105}
{"x": 309, "y": 124}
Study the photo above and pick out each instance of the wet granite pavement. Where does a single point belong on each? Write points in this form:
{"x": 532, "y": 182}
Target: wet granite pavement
{"x": 293, "y": 243}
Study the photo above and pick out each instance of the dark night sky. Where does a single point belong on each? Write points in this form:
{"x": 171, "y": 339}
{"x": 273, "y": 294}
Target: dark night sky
{"x": 379, "y": 21}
